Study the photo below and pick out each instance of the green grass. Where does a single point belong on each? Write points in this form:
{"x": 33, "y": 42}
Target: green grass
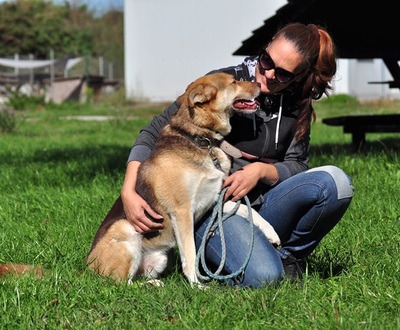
{"x": 59, "y": 178}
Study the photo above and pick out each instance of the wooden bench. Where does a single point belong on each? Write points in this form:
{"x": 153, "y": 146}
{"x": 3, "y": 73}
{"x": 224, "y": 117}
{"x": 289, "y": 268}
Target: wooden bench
{"x": 358, "y": 126}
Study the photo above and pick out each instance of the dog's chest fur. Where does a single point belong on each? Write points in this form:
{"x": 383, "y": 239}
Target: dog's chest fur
{"x": 181, "y": 176}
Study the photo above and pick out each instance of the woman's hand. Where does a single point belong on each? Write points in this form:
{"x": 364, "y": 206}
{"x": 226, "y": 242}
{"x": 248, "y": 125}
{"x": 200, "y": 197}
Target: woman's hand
{"x": 137, "y": 211}
{"x": 244, "y": 180}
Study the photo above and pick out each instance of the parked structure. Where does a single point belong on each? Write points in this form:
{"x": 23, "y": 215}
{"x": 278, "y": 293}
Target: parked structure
{"x": 51, "y": 78}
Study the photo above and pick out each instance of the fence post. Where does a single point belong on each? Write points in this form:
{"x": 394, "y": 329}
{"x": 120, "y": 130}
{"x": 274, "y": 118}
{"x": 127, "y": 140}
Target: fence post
{"x": 110, "y": 71}
{"x": 31, "y": 72}
{"x": 101, "y": 66}
{"x": 16, "y": 58}
{"x": 52, "y": 67}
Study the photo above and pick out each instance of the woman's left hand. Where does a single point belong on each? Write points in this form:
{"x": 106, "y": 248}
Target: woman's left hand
{"x": 244, "y": 180}
{"x": 241, "y": 182}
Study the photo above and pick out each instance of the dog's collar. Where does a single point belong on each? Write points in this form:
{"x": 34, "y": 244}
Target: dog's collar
{"x": 198, "y": 140}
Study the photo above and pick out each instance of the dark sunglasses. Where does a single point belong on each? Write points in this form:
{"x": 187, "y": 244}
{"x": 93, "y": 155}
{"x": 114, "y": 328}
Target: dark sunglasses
{"x": 266, "y": 63}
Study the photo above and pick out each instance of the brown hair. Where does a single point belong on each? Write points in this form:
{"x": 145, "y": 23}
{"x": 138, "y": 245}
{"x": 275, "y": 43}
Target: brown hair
{"x": 318, "y": 50}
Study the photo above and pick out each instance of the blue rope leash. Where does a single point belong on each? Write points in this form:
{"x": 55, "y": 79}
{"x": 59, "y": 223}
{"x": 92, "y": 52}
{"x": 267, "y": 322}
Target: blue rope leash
{"x": 216, "y": 220}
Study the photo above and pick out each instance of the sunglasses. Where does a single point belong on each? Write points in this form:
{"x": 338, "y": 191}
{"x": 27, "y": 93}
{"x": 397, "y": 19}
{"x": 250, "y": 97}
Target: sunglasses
{"x": 266, "y": 63}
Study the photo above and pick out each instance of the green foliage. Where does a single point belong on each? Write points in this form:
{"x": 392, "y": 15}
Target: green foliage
{"x": 20, "y": 101}
{"x": 36, "y": 27}
{"x": 59, "y": 177}
{"x": 8, "y": 121}
{"x": 108, "y": 32}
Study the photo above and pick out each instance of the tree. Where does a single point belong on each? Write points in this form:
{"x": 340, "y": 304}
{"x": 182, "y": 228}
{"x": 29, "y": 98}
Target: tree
{"x": 35, "y": 27}
{"x": 109, "y": 39}
{"x": 69, "y": 29}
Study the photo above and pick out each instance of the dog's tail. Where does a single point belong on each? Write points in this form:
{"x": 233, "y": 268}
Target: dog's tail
{"x": 19, "y": 269}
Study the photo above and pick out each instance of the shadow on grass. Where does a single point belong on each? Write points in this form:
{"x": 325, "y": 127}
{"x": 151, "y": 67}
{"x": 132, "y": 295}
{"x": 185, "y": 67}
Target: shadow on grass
{"x": 80, "y": 163}
{"x": 372, "y": 147}
{"x": 103, "y": 157}
{"x": 328, "y": 264}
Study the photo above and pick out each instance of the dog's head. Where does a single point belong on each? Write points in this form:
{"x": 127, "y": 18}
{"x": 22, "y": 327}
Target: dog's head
{"x": 211, "y": 100}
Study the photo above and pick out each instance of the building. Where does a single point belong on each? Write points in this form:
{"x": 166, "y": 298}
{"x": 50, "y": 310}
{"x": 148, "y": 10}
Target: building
{"x": 169, "y": 43}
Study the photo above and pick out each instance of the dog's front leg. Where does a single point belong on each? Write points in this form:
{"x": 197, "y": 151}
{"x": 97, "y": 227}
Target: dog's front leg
{"x": 184, "y": 232}
{"x": 258, "y": 221}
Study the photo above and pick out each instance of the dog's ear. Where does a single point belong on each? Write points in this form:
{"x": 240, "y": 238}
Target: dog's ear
{"x": 201, "y": 94}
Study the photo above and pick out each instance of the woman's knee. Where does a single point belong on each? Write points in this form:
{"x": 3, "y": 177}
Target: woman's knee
{"x": 264, "y": 266}
{"x": 338, "y": 179}
{"x": 261, "y": 274}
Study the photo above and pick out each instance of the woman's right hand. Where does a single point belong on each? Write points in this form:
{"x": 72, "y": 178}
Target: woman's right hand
{"x": 143, "y": 218}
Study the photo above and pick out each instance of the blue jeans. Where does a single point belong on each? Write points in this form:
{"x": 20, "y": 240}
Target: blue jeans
{"x": 302, "y": 210}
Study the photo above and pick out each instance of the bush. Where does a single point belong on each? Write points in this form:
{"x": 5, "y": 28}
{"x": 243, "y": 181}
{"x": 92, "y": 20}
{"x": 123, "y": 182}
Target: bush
{"x": 8, "y": 121}
{"x": 23, "y": 102}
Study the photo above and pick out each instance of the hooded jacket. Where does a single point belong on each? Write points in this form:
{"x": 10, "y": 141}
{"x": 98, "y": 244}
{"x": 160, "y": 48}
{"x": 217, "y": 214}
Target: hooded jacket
{"x": 266, "y": 135}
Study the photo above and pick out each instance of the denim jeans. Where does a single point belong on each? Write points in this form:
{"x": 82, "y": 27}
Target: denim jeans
{"x": 302, "y": 210}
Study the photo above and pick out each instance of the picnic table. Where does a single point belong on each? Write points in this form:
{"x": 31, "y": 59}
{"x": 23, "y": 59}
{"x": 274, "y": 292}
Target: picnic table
{"x": 358, "y": 126}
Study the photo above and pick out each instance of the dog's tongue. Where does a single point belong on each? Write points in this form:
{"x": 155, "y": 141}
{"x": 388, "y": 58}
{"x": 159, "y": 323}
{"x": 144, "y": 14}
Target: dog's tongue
{"x": 245, "y": 104}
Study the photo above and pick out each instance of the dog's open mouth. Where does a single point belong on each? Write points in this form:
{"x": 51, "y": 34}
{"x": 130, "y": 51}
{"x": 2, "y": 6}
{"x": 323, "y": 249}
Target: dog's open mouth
{"x": 246, "y": 105}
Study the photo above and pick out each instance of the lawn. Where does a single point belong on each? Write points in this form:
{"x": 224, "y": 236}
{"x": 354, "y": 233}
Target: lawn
{"x": 59, "y": 177}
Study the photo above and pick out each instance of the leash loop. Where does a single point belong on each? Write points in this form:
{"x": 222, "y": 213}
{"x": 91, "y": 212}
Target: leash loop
{"x": 216, "y": 221}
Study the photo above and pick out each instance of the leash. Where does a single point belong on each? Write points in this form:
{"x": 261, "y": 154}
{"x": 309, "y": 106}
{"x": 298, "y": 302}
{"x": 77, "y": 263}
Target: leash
{"x": 218, "y": 217}
{"x": 216, "y": 220}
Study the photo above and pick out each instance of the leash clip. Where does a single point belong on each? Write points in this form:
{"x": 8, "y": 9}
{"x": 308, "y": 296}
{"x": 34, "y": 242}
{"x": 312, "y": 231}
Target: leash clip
{"x": 203, "y": 142}
{"x": 214, "y": 158}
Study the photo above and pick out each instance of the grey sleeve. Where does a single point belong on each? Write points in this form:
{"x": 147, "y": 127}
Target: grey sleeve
{"x": 148, "y": 135}
{"x": 296, "y": 159}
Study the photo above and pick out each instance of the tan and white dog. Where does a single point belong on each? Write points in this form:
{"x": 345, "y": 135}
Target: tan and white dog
{"x": 181, "y": 181}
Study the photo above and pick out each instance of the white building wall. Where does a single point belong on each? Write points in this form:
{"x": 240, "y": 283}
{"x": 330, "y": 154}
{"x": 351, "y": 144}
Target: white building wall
{"x": 354, "y": 77}
{"x": 169, "y": 43}
{"x": 340, "y": 82}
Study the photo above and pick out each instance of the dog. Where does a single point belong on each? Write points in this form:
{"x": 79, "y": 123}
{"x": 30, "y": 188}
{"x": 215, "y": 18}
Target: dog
{"x": 181, "y": 180}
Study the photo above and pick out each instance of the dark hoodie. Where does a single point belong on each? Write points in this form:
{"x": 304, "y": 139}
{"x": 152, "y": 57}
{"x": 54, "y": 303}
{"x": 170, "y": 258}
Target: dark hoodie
{"x": 255, "y": 135}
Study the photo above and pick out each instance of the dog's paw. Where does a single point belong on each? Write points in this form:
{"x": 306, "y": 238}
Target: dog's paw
{"x": 154, "y": 282}
{"x": 274, "y": 238}
{"x": 199, "y": 286}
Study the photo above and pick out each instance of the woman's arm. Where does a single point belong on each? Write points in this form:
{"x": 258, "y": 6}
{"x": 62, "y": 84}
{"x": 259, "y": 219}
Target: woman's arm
{"x": 145, "y": 141}
{"x": 137, "y": 211}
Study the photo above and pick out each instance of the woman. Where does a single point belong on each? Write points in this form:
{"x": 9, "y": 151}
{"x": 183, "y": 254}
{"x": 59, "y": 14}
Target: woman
{"x": 293, "y": 69}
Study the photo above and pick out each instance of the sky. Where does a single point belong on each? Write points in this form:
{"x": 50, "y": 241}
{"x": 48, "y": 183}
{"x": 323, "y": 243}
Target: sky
{"x": 101, "y": 5}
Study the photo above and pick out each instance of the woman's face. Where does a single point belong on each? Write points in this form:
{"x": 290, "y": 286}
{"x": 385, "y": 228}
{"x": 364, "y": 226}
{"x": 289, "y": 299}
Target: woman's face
{"x": 281, "y": 55}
